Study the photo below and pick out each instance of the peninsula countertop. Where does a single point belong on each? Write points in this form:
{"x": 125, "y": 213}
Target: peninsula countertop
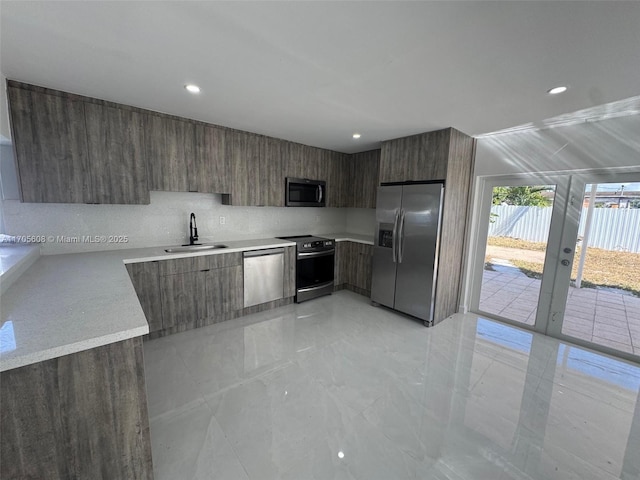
{"x": 68, "y": 303}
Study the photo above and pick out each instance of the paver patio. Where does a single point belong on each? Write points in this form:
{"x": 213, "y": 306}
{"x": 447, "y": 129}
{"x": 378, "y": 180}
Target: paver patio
{"x": 598, "y": 316}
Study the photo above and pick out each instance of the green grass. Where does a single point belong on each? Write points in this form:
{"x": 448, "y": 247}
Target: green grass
{"x": 602, "y": 268}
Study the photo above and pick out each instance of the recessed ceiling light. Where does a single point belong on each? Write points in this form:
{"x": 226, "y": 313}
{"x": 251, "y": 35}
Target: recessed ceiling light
{"x": 557, "y": 90}
{"x": 356, "y": 135}
{"x": 192, "y": 88}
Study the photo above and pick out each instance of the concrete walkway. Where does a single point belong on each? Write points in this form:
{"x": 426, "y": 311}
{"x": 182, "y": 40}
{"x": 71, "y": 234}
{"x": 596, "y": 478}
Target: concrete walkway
{"x": 598, "y": 316}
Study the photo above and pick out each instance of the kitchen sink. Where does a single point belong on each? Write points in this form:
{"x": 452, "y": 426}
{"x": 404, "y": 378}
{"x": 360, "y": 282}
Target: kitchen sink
{"x": 194, "y": 248}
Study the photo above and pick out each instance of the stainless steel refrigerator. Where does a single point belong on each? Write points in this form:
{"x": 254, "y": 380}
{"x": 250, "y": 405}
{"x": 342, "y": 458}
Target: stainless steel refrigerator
{"x": 405, "y": 255}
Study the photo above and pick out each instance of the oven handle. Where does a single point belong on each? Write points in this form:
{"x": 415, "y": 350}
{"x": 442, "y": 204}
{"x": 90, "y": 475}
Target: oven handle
{"x": 316, "y": 287}
{"x": 324, "y": 253}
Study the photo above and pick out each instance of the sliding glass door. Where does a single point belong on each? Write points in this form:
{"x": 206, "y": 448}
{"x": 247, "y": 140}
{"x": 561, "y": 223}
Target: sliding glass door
{"x": 560, "y": 255}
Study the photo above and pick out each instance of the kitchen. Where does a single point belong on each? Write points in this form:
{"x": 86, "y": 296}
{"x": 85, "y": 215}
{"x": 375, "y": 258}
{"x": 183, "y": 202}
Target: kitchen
{"x": 249, "y": 209}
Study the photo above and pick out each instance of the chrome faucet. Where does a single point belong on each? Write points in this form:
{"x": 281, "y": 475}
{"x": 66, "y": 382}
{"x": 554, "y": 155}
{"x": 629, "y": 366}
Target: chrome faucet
{"x": 193, "y": 230}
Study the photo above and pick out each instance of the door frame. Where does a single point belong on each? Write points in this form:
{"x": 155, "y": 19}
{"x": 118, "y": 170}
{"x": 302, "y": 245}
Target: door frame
{"x": 562, "y": 274}
{"x": 567, "y": 182}
{"x": 479, "y": 241}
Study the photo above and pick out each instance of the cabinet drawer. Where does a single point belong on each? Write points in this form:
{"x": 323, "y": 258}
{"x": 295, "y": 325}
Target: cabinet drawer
{"x": 203, "y": 262}
{"x": 183, "y": 265}
{"x": 223, "y": 260}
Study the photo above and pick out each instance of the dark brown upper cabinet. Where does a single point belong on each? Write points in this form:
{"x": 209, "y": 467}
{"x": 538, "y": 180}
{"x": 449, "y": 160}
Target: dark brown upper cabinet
{"x": 243, "y": 151}
{"x": 362, "y": 179}
{"x": 50, "y": 142}
{"x": 416, "y": 158}
{"x": 117, "y": 167}
{"x": 70, "y": 149}
{"x": 169, "y": 150}
{"x": 211, "y": 171}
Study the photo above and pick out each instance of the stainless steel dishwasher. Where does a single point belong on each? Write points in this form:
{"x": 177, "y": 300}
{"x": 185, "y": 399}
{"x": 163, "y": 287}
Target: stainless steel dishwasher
{"x": 263, "y": 276}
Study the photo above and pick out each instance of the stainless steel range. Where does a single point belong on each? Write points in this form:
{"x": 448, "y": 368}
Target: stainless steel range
{"x": 314, "y": 266}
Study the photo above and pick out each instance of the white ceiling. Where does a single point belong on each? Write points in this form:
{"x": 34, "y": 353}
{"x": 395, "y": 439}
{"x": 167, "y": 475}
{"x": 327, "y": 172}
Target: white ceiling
{"x": 315, "y": 72}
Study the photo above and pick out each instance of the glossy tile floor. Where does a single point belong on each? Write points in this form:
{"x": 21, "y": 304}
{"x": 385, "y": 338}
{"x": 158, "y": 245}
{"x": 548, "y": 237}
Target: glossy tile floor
{"x": 337, "y": 389}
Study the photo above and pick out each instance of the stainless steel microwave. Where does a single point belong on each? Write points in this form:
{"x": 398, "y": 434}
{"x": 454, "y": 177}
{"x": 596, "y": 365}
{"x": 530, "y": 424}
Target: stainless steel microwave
{"x": 302, "y": 192}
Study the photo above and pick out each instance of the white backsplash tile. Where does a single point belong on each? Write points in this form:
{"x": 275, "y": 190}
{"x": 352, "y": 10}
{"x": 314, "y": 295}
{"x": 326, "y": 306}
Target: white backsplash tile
{"x": 166, "y": 221}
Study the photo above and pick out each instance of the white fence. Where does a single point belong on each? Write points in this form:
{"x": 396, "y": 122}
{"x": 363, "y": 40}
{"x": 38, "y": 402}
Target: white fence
{"x": 611, "y": 228}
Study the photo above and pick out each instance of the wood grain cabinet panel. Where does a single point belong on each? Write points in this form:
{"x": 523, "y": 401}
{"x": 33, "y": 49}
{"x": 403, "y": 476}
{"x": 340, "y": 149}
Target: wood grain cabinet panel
{"x": 211, "y": 172}
{"x": 289, "y": 272}
{"x": 302, "y": 162}
{"x": 454, "y": 224}
{"x": 224, "y": 292}
{"x": 146, "y": 281}
{"x": 170, "y": 151}
{"x": 183, "y": 298}
{"x": 117, "y": 166}
{"x": 271, "y": 178}
{"x": 352, "y": 268}
{"x": 243, "y": 150}
{"x": 184, "y": 265}
{"x": 50, "y": 144}
{"x": 79, "y": 416}
{"x": 362, "y": 255}
{"x": 362, "y": 178}
{"x": 223, "y": 260}
{"x": 339, "y": 279}
{"x": 420, "y": 157}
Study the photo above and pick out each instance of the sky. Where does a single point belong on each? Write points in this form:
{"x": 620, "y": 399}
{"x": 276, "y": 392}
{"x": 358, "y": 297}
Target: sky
{"x": 615, "y": 187}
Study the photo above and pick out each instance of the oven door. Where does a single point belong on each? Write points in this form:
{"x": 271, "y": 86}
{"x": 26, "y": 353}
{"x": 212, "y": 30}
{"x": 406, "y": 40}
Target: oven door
{"x": 314, "y": 274}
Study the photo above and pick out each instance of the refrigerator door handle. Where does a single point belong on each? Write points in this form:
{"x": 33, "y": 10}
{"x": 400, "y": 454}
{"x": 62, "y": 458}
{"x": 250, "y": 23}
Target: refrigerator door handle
{"x": 394, "y": 236}
{"x": 401, "y": 236}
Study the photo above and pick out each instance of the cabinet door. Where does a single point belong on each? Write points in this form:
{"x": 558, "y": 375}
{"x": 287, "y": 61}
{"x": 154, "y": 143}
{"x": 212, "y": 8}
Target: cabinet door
{"x": 146, "y": 281}
{"x": 115, "y": 143}
{"x": 271, "y": 182}
{"x": 243, "y": 150}
{"x": 361, "y": 274}
{"x": 339, "y": 273}
{"x": 303, "y": 162}
{"x": 332, "y": 170}
{"x": 169, "y": 151}
{"x": 183, "y": 298}
{"x": 289, "y": 272}
{"x": 224, "y": 293}
{"x": 415, "y": 158}
{"x": 211, "y": 171}
{"x": 51, "y": 146}
{"x": 363, "y": 173}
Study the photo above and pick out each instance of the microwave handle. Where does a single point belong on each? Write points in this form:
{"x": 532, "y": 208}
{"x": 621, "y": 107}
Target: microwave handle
{"x": 320, "y": 193}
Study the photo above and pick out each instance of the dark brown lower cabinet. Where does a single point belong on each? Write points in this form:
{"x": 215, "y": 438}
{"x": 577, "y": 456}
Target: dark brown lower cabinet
{"x": 352, "y": 269}
{"x": 224, "y": 293}
{"x": 79, "y": 416}
{"x": 146, "y": 281}
{"x": 191, "y": 292}
{"x": 183, "y": 298}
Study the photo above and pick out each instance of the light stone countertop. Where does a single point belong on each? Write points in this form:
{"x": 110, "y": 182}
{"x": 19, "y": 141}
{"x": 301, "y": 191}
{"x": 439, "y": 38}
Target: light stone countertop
{"x": 349, "y": 237}
{"x": 15, "y": 259}
{"x": 68, "y": 303}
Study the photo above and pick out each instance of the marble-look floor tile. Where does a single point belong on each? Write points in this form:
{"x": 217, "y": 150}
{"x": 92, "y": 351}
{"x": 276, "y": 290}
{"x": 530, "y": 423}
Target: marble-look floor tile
{"x": 170, "y": 386}
{"x": 190, "y": 445}
{"x": 338, "y": 389}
